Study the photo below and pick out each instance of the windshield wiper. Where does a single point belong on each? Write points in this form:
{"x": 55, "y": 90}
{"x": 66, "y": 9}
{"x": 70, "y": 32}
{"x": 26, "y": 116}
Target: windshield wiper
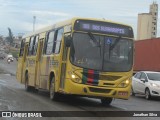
{"x": 92, "y": 38}
{"x": 115, "y": 43}
{"x": 97, "y": 44}
{"x": 113, "y": 46}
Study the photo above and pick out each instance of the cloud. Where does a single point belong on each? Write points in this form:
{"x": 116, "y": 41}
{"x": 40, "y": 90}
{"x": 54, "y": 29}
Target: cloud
{"x": 5, "y": 3}
{"x": 19, "y": 14}
{"x": 49, "y": 13}
{"x": 45, "y": 18}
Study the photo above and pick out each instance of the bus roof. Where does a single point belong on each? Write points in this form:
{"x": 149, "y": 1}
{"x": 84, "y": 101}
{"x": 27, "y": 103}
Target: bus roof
{"x": 45, "y": 29}
{"x": 68, "y": 22}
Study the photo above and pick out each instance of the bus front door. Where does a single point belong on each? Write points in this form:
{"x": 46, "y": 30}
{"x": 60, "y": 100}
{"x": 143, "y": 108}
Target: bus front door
{"x": 21, "y": 64}
{"x": 38, "y": 64}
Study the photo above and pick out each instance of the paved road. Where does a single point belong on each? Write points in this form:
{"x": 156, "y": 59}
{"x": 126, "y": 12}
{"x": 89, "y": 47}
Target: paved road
{"x": 13, "y": 97}
{"x": 10, "y": 68}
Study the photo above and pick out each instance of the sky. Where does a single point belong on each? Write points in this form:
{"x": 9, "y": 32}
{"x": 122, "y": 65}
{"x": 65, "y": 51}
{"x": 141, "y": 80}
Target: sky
{"x": 18, "y": 14}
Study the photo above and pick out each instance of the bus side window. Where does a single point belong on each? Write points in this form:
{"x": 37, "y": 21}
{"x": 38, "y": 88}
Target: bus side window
{"x": 22, "y": 48}
{"x": 45, "y": 43}
{"x": 35, "y": 45}
{"x": 30, "y": 49}
{"x": 58, "y": 40}
{"x": 49, "y": 43}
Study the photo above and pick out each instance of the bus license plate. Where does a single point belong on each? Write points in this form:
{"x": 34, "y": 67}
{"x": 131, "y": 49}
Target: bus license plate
{"x": 122, "y": 93}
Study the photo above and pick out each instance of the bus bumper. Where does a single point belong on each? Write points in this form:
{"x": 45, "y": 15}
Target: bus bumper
{"x": 96, "y": 91}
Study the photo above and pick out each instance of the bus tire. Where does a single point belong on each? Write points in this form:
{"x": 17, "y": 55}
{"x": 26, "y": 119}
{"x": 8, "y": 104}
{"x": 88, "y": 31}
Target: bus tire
{"x": 27, "y": 87}
{"x": 106, "y": 101}
{"x": 53, "y": 95}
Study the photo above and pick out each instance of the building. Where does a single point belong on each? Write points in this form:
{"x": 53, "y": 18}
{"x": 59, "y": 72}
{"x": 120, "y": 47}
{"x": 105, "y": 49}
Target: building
{"x": 17, "y": 41}
{"x": 147, "y": 23}
{"x": 1, "y": 40}
{"x": 144, "y": 26}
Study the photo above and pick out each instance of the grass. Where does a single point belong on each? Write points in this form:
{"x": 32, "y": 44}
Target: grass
{"x": 14, "y": 52}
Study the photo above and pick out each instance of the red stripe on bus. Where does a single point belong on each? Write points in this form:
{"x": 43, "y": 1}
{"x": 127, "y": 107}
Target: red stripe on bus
{"x": 90, "y": 76}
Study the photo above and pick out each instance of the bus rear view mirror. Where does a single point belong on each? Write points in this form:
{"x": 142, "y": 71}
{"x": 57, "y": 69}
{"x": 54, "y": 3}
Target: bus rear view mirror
{"x": 68, "y": 40}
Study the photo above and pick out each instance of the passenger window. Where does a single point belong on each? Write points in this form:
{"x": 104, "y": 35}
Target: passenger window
{"x": 135, "y": 75}
{"x": 35, "y": 45}
{"x": 143, "y": 76}
{"x": 58, "y": 40}
{"x": 30, "y": 50}
{"x": 22, "y": 48}
{"x": 50, "y": 43}
{"x": 138, "y": 75}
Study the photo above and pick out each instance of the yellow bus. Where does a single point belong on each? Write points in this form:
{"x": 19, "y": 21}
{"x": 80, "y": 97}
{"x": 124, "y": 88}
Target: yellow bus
{"x": 80, "y": 56}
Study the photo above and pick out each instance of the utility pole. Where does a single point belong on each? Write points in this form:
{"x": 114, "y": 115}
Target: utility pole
{"x": 34, "y": 21}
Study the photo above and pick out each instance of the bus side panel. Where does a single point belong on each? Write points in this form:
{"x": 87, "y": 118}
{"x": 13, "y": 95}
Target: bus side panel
{"x": 31, "y": 70}
{"x": 44, "y": 71}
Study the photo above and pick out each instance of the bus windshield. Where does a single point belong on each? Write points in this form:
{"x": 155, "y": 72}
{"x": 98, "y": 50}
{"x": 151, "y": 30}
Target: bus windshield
{"x": 101, "y": 53}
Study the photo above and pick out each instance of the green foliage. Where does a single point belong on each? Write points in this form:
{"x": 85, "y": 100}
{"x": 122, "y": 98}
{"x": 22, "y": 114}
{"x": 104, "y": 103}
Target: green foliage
{"x": 10, "y": 36}
{"x": 14, "y": 53}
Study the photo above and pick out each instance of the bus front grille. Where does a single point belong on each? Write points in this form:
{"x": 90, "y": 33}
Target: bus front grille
{"x": 108, "y": 84}
{"x": 99, "y": 90}
{"x": 109, "y": 77}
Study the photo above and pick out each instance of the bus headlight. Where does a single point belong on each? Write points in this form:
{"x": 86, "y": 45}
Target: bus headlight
{"x": 75, "y": 79}
{"x": 124, "y": 83}
{"x": 73, "y": 76}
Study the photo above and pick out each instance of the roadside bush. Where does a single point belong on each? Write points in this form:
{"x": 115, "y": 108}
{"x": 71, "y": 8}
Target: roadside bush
{"x": 14, "y": 53}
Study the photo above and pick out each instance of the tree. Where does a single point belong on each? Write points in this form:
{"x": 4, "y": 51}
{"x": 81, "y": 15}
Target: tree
{"x": 10, "y": 36}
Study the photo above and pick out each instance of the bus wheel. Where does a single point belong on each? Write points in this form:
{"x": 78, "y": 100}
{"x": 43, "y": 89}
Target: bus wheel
{"x": 27, "y": 87}
{"x": 53, "y": 94}
{"x": 106, "y": 101}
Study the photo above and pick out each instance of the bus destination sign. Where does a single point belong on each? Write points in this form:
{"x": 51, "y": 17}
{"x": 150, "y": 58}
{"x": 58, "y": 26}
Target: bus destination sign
{"x": 103, "y": 27}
